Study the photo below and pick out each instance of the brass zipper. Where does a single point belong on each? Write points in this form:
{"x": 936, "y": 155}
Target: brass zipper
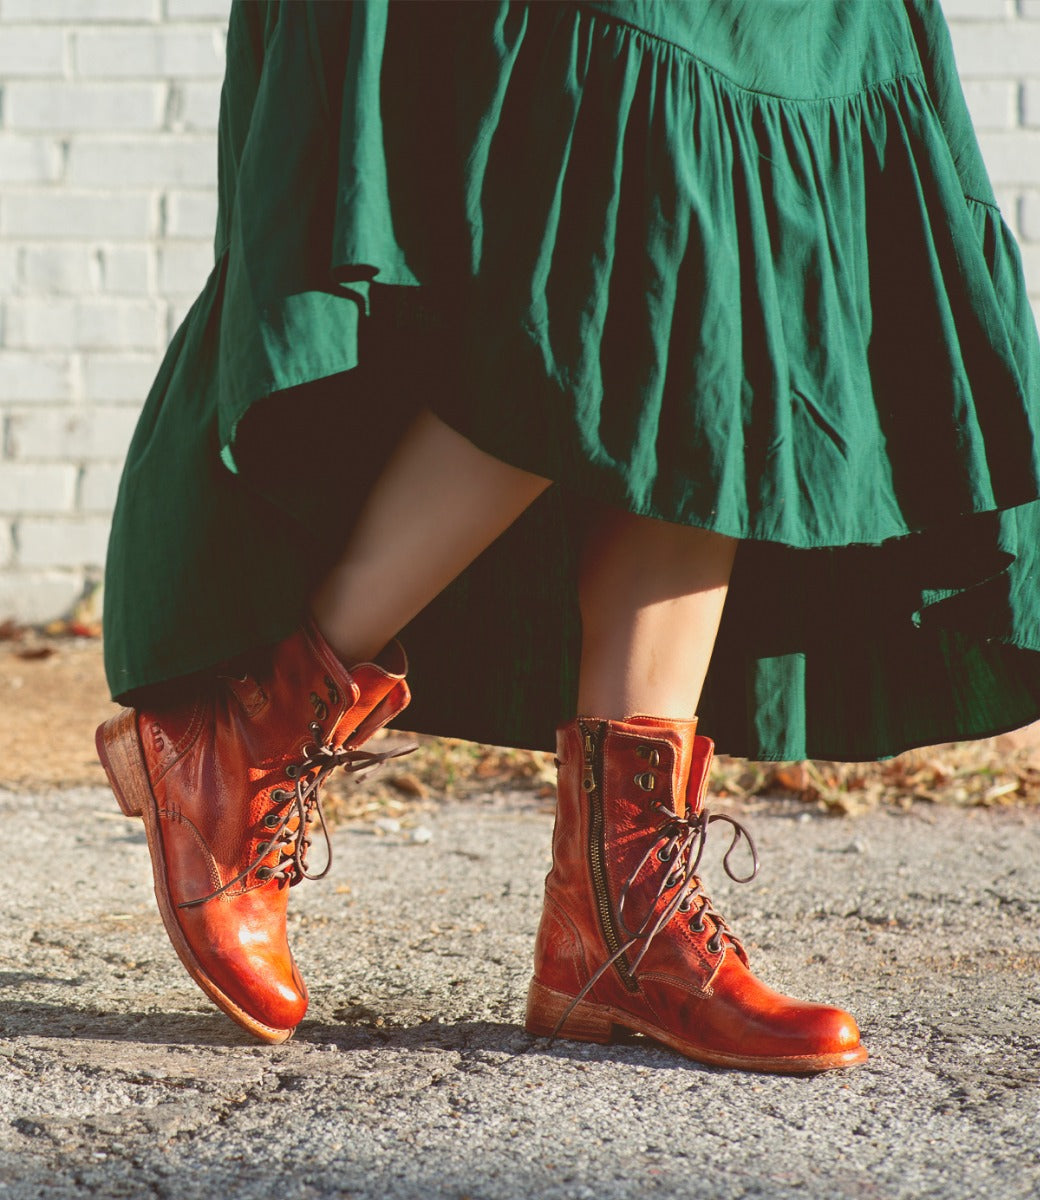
{"x": 592, "y": 773}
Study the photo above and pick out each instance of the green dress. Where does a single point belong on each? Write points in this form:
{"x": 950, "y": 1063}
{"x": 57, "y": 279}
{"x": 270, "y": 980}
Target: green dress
{"x": 734, "y": 264}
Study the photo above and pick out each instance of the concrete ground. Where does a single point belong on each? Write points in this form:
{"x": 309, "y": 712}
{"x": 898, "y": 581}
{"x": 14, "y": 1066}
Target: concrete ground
{"x": 412, "y": 1075}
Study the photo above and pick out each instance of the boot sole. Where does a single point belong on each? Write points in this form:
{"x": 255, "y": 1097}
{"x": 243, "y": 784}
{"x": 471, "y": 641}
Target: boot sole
{"x": 590, "y": 1022}
{"x": 119, "y": 749}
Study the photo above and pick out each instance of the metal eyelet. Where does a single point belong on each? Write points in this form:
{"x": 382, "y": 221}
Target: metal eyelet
{"x": 272, "y": 820}
{"x": 672, "y": 880}
{"x": 697, "y": 925}
{"x": 315, "y": 728}
{"x": 263, "y": 873}
{"x": 263, "y": 847}
{"x": 685, "y": 905}
{"x": 647, "y": 781}
{"x": 279, "y": 795}
{"x": 652, "y": 756}
{"x": 714, "y": 944}
{"x": 292, "y": 770}
{"x": 664, "y": 854}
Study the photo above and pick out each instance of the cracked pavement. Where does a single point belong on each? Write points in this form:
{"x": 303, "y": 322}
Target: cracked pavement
{"x": 412, "y": 1075}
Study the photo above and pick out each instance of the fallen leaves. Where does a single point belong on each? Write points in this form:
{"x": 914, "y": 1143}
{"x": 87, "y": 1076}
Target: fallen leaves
{"x": 440, "y": 768}
{"x": 967, "y": 774}
{"x": 77, "y": 626}
{"x": 49, "y": 707}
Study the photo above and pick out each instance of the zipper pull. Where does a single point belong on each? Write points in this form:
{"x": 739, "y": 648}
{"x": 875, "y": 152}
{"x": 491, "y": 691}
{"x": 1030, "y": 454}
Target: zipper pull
{"x": 588, "y": 781}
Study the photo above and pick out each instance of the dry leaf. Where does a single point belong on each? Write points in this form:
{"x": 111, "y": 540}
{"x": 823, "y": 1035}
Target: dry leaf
{"x": 408, "y": 784}
{"x": 792, "y": 777}
{"x": 85, "y": 629}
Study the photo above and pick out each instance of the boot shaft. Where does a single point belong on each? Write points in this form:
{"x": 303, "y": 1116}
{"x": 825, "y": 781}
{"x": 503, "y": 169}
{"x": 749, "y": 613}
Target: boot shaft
{"x": 293, "y": 694}
{"x": 621, "y": 786}
{"x": 223, "y": 766}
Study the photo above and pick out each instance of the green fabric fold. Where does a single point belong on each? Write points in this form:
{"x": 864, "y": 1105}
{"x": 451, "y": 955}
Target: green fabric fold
{"x": 736, "y": 266}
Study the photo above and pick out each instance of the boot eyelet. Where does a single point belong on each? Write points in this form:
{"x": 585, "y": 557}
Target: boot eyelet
{"x": 647, "y": 781}
{"x": 651, "y": 755}
{"x": 664, "y": 854}
{"x": 263, "y": 873}
{"x": 263, "y": 847}
{"x": 685, "y": 905}
{"x": 672, "y": 880}
{"x": 714, "y": 944}
{"x": 292, "y": 770}
{"x": 697, "y": 925}
{"x": 279, "y": 795}
{"x": 272, "y": 820}
{"x": 315, "y": 728}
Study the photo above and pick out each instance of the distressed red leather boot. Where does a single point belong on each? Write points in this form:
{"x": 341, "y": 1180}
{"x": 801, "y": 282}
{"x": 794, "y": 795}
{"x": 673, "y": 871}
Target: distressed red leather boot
{"x": 628, "y": 937}
{"x": 227, "y": 783}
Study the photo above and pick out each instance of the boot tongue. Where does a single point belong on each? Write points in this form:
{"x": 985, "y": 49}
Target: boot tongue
{"x": 384, "y": 694}
{"x": 369, "y": 690}
{"x": 683, "y": 739}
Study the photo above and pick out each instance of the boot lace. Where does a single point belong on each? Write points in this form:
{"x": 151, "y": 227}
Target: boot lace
{"x": 678, "y": 844}
{"x": 303, "y": 803}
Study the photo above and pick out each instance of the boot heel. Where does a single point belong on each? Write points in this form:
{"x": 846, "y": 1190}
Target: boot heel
{"x": 586, "y": 1022}
{"x": 119, "y": 749}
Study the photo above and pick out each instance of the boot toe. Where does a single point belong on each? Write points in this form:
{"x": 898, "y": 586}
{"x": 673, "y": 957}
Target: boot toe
{"x": 272, "y": 994}
{"x": 245, "y": 965}
{"x": 831, "y": 1031}
{"x": 264, "y": 982}
{"x": 817, "y": 1033}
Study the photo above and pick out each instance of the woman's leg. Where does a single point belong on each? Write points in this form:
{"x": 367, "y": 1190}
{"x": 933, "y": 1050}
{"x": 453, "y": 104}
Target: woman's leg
{"x": 226, "y": 780}
{"x": 651, "y": 593}
{"x": 628, "y": 936}
{"x": 436, "y": 505}
{"x": 651, "y": 596}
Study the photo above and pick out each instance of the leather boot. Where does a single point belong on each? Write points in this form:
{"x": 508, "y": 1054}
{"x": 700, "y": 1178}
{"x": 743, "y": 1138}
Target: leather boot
{"x": 227, "y": 784}
{"x": 628, "y": 937}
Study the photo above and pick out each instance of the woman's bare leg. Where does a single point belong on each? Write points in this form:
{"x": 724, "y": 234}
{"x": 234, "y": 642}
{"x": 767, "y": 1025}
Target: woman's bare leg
{"x": 651, "y": 597}
{"x": 437, "y": 504}
{"x": 651, "y": 593}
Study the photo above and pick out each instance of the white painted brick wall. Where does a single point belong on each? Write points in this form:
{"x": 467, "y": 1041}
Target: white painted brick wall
{"x": 108, "y": 113}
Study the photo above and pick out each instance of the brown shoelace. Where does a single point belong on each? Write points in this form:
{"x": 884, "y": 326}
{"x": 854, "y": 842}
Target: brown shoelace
{"x": 290, "y": 839}
{"x": 678, "y": 844}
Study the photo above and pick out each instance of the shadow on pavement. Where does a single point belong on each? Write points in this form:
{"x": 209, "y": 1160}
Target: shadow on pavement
{"x": 21, "y": 1018}
{"x": 205, "y": 1029}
